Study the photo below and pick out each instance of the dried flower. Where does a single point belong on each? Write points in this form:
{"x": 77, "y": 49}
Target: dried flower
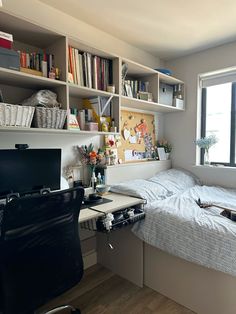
{"x": 206, "y": 142}
{"x": 89, "y": 156}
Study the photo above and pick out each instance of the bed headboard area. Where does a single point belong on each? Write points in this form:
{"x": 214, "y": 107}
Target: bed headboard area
{"x": 139, "y": 170}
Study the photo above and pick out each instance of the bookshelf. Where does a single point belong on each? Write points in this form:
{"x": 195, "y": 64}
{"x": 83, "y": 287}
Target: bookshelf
{"x": 16, "y": 85}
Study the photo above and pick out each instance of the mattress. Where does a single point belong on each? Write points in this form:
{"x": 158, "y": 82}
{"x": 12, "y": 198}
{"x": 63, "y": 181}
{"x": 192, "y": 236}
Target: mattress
{"x": 180, "y": 227}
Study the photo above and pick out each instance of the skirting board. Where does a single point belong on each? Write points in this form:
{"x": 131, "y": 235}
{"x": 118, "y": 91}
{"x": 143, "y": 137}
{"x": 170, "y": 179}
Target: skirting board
{"x": 203, "y": 290}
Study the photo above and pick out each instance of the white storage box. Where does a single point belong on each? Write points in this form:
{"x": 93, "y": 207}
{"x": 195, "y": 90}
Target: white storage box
{"x": 15, "y": 115}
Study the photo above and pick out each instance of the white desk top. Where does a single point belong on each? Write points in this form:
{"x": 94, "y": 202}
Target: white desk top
{"x": 119, "y": 201}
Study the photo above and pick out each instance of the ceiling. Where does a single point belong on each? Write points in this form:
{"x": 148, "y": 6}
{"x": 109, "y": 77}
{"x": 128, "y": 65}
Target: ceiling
{"x": 165, "y": 28}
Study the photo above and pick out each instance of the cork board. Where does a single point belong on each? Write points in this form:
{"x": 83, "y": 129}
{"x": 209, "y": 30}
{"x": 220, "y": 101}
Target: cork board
{"x": 137, "y": 134}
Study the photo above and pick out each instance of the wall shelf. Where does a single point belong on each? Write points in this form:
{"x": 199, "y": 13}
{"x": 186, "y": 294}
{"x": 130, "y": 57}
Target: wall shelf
{"x": 53, "y": 131}
{"x": 17, "y": 78}
{"x": 134, "y": 103}
{"x": 81, "y": 91}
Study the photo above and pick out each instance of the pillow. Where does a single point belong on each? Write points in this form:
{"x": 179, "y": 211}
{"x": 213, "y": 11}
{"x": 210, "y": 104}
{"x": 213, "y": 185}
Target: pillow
{"x": 150, "y": 191}
{"x": 175, "y": 180}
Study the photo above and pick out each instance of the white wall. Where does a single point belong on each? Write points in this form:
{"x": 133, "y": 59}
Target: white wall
{"x": 180, "y": 128}
{"x": 44, "y": 15}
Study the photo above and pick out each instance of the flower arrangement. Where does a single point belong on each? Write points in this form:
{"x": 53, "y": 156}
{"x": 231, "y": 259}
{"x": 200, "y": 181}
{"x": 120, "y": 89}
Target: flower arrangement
{"x": 89, "y": 156}
{"x": 165, "y": 144}
{"x": 206, "y": 142}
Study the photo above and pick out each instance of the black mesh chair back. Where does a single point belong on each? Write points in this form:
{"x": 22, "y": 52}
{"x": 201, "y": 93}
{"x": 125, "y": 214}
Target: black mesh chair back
{"x": 40, "y": 253}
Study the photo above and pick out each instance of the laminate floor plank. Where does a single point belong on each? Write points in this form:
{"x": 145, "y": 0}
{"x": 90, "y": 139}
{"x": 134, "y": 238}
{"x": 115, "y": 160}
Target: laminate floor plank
{"x": 102, "y": 292}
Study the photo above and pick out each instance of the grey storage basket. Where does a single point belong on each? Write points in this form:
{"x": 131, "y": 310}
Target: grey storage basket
{"x": 50, "y": 118}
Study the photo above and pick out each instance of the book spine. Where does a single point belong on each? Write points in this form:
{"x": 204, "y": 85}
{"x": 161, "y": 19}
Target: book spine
{"x": 85, "y": 68}
{"x": 81, "y": 69}
{"x": 77, "y": 66}
{"x": 89, "y": 70}
{"x": 71, "y": 64}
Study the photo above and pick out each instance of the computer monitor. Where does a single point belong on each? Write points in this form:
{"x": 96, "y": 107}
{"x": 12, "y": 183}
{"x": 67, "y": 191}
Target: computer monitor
{"x": 26, "y": 170}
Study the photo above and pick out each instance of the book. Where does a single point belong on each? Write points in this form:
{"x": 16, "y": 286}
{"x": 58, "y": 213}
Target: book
{"x": 74, "y": 67}
{"x": 81, "y": 69}
{"x": 77, "y": 66}
{"x": 89, "y": 69}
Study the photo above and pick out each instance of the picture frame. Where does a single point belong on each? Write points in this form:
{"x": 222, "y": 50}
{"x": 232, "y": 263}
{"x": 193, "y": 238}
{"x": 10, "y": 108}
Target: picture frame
{"x": 145, "y": 96}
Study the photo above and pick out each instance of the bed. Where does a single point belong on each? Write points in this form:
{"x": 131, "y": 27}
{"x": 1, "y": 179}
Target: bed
{"x": 189, "y": 252}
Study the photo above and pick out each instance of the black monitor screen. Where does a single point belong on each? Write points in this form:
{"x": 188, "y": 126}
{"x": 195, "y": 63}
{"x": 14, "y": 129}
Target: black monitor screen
{"x": 30, "y": 169}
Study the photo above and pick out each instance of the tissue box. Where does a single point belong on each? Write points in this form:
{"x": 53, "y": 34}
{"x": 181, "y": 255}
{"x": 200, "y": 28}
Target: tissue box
{"x": 9, "y": 59}
{"x": 6, "y": 40}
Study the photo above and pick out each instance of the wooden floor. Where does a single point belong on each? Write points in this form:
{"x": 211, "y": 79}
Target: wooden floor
{"x": 101, "y": 292}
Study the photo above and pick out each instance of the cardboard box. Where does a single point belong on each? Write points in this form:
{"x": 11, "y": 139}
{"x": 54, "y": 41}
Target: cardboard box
{"x": 6, "y": 40}
{"x": 9, "y": 59}
{"x": 91, "y": 126}
{"x": 178, "y": 103}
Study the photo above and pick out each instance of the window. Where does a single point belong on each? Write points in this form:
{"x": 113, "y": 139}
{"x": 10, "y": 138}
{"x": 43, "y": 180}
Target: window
{"x": 218, "y": 115}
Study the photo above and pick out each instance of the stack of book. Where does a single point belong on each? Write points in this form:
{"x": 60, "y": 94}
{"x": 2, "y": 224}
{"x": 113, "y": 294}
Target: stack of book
{"x": 132, "y": 87}
{"x": 38, "y": 61}
{"x": 88, "y": 70}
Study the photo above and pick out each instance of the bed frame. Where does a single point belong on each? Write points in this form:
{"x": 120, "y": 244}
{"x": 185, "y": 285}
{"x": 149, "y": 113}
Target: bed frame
{"x": 203, "y": 290}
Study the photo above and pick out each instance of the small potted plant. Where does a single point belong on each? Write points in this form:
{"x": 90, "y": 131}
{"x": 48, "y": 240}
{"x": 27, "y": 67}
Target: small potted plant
{"x": 166, "y": 145}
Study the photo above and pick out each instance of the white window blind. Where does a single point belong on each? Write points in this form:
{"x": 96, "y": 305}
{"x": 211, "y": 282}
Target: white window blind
{"x": 218, "y": 77}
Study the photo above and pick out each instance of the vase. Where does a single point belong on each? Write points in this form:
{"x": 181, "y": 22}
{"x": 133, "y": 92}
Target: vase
{"x": 167, "y": 156}
{"x": 206, "y": 158}
{"x": 87, "y": 175}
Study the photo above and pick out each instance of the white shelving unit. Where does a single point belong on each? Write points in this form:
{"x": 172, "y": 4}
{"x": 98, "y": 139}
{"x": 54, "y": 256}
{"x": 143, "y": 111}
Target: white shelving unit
{"x": 17, "y": 86}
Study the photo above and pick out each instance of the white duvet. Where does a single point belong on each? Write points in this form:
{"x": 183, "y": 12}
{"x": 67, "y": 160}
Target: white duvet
{"x": 180, "y": 227}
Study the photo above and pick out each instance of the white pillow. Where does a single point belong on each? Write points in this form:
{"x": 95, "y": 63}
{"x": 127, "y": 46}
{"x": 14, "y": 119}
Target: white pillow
{"x": 175, "y": 180}
{"x": 145, "y": 189}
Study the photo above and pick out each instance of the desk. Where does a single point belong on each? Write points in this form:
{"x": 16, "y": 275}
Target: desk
{"x": 126, "y": 259}
{"x": 119, "y": 201}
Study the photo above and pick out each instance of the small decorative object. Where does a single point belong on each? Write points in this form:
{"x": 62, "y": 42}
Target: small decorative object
{"x": 206, "y": 143}
{"x": 165, "y": 71}
{"x": 104, "y": 124}
{"x": 73, "y": 123}
{"x": 111, "y": 89}
{"x": 90, "y": 159}
{"x": 126, "y": 134}
{"x": 102, "y": 189}
{"x": 52, "y": 74}
{"x": 166, "y": 145}
{"x": 57, "y": 73}
{"x": 72, "y": 174}
{"x": 148, "y": 145}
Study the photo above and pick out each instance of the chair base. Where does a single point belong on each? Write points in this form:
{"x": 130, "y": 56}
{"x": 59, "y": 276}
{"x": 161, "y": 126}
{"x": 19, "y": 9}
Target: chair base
{"x": 63, "y": 307}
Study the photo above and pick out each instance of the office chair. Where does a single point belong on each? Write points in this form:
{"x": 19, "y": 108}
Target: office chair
{"x": 40, "y": 253}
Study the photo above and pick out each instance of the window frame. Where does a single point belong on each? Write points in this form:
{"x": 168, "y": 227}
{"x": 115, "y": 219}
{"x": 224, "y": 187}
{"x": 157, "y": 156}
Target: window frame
{"x": 232, "y": 162}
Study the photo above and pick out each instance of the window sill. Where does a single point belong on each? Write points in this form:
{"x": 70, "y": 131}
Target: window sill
{"x": 215, "y": 167}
